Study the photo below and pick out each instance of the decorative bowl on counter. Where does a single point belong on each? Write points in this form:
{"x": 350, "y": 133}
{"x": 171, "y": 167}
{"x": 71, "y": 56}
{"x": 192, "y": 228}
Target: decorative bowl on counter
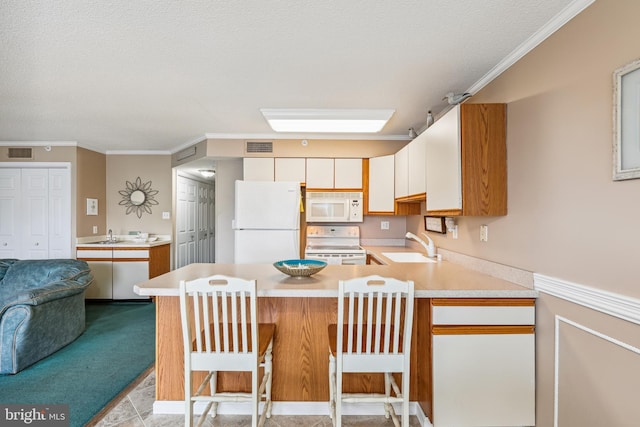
{"x": 300, "y": 267}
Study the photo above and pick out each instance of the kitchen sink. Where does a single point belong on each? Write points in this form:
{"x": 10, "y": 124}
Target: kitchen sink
{"x": 407, "y": 257}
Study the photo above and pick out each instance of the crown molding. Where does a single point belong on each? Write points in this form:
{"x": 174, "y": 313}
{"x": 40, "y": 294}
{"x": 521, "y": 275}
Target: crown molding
{"x": 326, "y": 136}
{"x": 558, "y": 21}
{"x": 38, "y": 143}
{"x": 138, "y": 152}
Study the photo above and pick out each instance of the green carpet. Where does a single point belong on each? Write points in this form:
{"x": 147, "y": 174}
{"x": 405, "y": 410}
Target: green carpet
{"x": 116, "y": 347}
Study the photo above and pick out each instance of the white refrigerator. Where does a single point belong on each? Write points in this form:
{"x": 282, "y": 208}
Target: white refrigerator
{"x": 267, "y": 221}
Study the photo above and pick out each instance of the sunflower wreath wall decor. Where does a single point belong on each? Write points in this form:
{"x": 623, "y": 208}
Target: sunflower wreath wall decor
{"x": 138, "y": 197}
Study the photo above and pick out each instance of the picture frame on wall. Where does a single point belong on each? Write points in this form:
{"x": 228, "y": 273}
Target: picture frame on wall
{"x": 626, "y": 122}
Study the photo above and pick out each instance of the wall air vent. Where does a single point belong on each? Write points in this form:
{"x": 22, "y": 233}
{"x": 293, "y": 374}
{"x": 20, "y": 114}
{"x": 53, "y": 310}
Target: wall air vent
{"x": 259, "y": 147}
{"x": 20, "y": 153}
{"x": 191, "y": 151}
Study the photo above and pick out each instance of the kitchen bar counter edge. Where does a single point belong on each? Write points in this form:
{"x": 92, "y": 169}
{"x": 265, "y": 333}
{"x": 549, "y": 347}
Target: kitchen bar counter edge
{"x": 433, "y": 280}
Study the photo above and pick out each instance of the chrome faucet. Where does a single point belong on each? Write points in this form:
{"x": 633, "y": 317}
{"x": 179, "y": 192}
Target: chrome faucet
{"x": 110, "y": 235}
{"x": 430, "y": 247}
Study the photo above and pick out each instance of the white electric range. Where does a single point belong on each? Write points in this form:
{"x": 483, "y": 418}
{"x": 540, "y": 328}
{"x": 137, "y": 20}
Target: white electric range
{"x": 335, "y": 244}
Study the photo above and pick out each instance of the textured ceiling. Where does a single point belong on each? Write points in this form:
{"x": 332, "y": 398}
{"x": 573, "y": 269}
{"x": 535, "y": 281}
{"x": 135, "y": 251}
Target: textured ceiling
{"x": 155, "y": 75}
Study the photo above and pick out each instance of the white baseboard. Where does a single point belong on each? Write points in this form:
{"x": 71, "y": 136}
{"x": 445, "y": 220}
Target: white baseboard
{"x": 176, "y": 407}
{"x": 618, "y": 305}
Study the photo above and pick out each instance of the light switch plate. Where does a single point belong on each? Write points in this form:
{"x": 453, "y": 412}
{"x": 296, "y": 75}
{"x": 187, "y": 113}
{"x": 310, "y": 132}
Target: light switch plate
{"x": 166, "y": 215}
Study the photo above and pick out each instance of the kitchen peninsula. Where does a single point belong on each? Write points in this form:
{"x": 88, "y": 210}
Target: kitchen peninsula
{"x": 302, "y": 308}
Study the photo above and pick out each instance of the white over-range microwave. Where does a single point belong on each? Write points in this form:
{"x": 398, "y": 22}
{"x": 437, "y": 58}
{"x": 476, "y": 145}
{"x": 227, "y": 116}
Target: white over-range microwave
{"x": 333, "y": 206}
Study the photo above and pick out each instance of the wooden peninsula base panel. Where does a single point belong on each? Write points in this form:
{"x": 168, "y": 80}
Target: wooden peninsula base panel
{"x": 301, "y": 355}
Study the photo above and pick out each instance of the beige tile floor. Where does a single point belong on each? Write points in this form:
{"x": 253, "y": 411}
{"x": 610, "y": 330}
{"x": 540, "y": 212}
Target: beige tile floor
{"x": 135, "y": 410}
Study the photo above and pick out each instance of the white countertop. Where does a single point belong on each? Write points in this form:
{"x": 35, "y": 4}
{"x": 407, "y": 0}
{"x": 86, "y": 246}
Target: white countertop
{"x": 121, "y": 242}
{"x": 433, "y": 280}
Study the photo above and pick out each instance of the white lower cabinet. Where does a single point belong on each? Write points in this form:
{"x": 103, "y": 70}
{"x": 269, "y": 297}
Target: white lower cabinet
{"x": 115, "y": 271}
{"x": 126, "y": 274}
{"x": 484, "y": 364}
{"x": 101, "y": 287}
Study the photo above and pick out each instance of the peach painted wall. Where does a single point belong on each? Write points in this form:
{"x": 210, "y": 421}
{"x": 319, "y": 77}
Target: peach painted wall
{"x": 566, "y": 217}
{"x": 150, "y": 168}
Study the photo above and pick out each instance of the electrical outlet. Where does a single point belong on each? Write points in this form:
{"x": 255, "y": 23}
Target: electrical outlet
{"x": 484, "y": 233}
{"x": 166, "y": 215}
{"x": 95, "y": 229}
{"x": 384, "y": 225}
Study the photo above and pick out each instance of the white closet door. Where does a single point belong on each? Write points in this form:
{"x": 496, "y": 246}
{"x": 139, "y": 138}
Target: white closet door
{"x": 34, "y": 214}
{"x": 59, "y": 213}
{"x": 186, "y": 222}
{"x": 212, "y": 224}
{"x": 203, "y": 223}
{"x": 10, "y": 190}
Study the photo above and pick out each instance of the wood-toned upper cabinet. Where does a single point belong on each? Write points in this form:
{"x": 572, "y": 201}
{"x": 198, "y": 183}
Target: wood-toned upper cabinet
{"x": 381, "y": 185}
{"x": 258, "y": 168}
{"x": 466, "y": 170}
{"x": 290, "y": 169}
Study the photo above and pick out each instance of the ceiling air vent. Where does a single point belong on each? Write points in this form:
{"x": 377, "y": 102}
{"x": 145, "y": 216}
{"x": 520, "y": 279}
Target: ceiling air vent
{"x": 259, "y": 147}
{"x": 20, "y": 153}
{"x": 191, "y": 151}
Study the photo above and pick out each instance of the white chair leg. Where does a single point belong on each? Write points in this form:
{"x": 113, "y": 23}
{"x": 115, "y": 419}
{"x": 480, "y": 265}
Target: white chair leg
{"x": 268, "y": 370}
{"x": 332, "y": 384}
{"x": 213, "y": 386}
{"x": 338, "y": 401}
{"x": 387, "y": 393}
{"x": 188, "y": 409}
{"x": 255, "y": 397}
{"x": 405, "y": 400}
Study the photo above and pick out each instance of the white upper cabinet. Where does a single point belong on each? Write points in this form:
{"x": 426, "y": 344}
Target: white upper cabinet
{"x": 320, "y": 173}
{"x": 417, "y": 165}
{"x": 410, "y": 165}
{"x": 381, "y": 184}
{"x": 402, "y": 172}
{"x": 444, "y": 176}
{"x": 334, "y": 173}
{"x": 258, "y": 168}
{"x": 290, "y": 169}
{"x": 348, "y": 173}
{"x": 467, "y": 162}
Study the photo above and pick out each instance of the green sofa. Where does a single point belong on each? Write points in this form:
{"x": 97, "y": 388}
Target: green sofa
{"x": 41, "y": 308}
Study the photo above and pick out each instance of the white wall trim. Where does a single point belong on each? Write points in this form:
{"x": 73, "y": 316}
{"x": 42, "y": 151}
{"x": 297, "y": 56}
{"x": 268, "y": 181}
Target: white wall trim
{"x": 138, "y": 153}
{"x": 558, "y": 320}
{"x": 567, "y": 14}
{"x": 44, "y": 165}
{"x": 38, "y": 143}
{"x": 618, "y": 305}
{"x": 176, "y": 407}
{"x": 325, "y": 136}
